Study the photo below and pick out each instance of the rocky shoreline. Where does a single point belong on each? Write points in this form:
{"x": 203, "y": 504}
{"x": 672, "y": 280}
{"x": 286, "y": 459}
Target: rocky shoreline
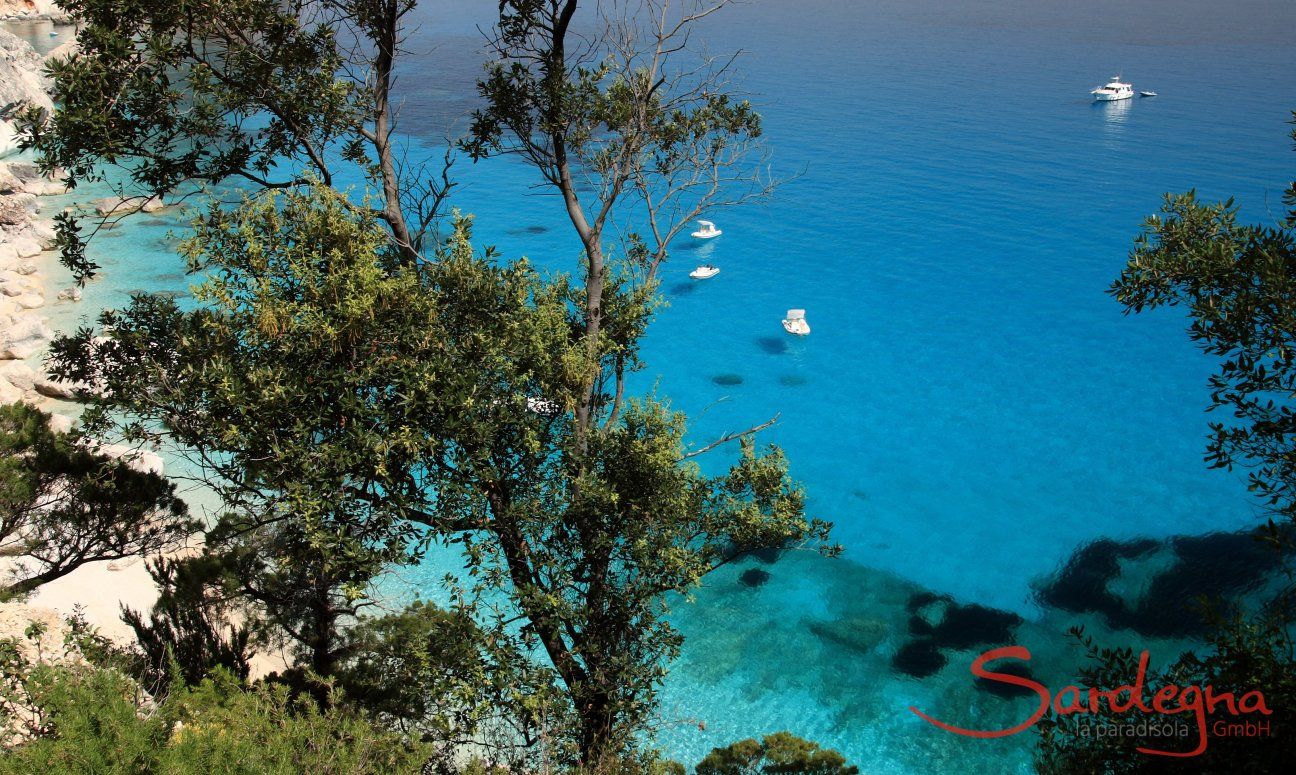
{"x": 25, "y": 234}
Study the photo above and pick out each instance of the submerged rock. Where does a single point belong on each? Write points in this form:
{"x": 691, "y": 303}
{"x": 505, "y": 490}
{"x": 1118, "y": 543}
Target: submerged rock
{"x": 123, "y": 205}
{"x": 919, "y": 658}
{"x": 857, "y": 633}
{"x": 753, "y": 577}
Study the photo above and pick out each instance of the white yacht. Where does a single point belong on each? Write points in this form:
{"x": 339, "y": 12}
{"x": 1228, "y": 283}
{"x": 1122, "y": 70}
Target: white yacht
{"x": 707, "y": 230}
{"x": 1147, "y": 94}
{"x": 705, "y": 272}
{"x": 795, "y": 322}
{"x": 1115, "y": 90}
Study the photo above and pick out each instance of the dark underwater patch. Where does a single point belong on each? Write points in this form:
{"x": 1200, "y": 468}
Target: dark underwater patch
{"x": 682, "y": 289}
{"x": 754, "y": 577}
{"x": 772, "y": 345}
{"x": 919, "y": 658}
{"x": 953, "y": 626}
{"x": 1215, "y": 566}
{"x": 727, "y": 380}
{"x": 536, "y": 229}
{"x": 792, "y": 380}
{"x": 966, "y": 626}
{"x": 769, "y": 555}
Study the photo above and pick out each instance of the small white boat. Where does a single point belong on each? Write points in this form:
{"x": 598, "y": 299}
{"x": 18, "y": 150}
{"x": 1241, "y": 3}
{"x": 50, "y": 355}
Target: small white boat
{"x": 707, "y": 230}
{"x": 705, "y": 272}
{"x": 795, "y": 322}
{"x": 1115, "y": 90}
{"x": 1147, "y": 94}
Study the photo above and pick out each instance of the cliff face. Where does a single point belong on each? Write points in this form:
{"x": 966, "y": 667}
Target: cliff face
{"x": 31, "y": 9}
{"x": 24, "y": 235}
{"x": 22, "y": 74}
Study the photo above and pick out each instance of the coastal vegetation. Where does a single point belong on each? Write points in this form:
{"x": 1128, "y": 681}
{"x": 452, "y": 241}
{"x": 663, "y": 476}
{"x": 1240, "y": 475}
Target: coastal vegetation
{"x": 362, "y": 387}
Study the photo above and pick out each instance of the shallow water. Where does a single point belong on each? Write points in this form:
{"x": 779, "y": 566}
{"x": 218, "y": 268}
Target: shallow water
{"x": 972, "y": 409}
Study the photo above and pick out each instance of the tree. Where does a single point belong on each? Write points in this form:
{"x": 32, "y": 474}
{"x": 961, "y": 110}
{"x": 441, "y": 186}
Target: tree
{"x": 352, "y": 401}
{"x": 781, "y": 752}
{"x": 612, "y": 109}
{"x": 188, "y": 633}
{"x": 279, "y": 389}
{"x": 264, "y": 93}
{"x": 63, "y": 505}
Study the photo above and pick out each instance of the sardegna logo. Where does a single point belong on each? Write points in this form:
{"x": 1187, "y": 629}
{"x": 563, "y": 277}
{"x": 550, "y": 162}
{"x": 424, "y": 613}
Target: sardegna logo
{"x": 1171, "y": 701}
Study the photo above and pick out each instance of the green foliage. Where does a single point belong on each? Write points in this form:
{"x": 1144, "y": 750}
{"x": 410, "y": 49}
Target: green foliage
{"x": 62, "y": 505}
{"x": 182, "y": 91}
{"x": 1238, "y": 285}
{"x": 352, "y": 400}
{"x": 96, "y": 725}
{"x": 1246, "y": 654}
{"x": 781, "y": 752}
{"x": 187, "y": 635}
{"x": 410, "y": 668}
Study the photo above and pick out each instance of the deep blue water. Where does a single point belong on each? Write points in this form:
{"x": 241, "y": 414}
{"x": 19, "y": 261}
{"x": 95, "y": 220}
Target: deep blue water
{"x": 971, "y": 408}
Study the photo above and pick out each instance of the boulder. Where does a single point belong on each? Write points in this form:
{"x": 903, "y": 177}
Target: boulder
{"x": 60, "y": 423}
{"x": 71, "y": 293}
{"x": 27, "y": 172}
{"x": 9, "y": 394}
{"x": 27, "y": 335}
{"x": 30, "y": 301}
{"x": 25, "y": 269}
{"x": 50, "y": 388}
{"x": 20, "y": 375}
{"x": 139, "y": 459}
{"x": 64, "y": 50}
{"x": 16, "y": 209}
{"x": 9, "y": 182}
{"x": 15, "y": 287}
{"x": 123, "y": 205}
{"x": 26, "y": 247}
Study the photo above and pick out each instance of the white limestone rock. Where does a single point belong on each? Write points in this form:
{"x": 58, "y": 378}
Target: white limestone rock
{"x": 20, "y": 376}
{"x": 123, "y": 205}
{"x": 139, "y": 459}
{"x": 26, "y": 247}
{"x": 51, "y": 388}
{"x": 60, "y": 423}
{"x": 26, "y": 335}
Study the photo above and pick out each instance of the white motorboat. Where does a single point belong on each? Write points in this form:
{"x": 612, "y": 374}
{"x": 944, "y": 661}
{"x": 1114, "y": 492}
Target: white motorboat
{"x": 705, "y": 272}
{"x": 707, "y": 230}
{"x": 1147, "y": 94}
{"x": 1115, "y": 90}
{"x": 795, "y": 322}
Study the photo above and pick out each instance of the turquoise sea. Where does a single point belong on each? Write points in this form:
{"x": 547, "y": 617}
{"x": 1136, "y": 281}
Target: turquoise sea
{"x": 1003, "y": 453}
